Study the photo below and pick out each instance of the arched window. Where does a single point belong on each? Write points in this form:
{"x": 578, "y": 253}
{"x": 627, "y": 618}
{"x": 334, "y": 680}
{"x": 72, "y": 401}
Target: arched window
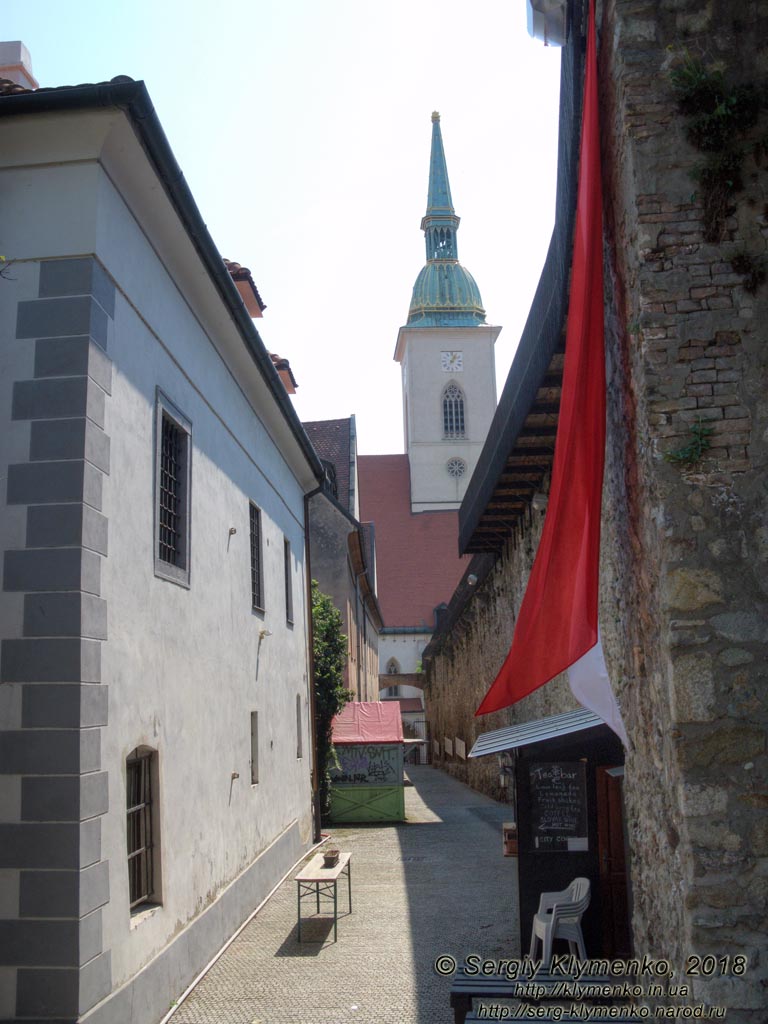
{"x": 453, "y": 411}
{"x": 393, "y": 668}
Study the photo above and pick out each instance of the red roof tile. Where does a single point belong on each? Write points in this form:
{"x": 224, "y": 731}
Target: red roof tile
{"x": 249, "y": 293}
{"x": 285, "y": 372}
{"x": 417, "y": 555}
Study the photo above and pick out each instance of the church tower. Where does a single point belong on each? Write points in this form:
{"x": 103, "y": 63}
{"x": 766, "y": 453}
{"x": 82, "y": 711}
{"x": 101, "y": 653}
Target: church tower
{"x": 445, "y": 351}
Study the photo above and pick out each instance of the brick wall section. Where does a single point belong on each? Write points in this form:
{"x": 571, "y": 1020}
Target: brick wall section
{"x": 684, "y": 561}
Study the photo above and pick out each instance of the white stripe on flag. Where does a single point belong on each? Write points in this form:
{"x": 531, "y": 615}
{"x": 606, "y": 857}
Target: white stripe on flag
{"x": 590, "y": 685}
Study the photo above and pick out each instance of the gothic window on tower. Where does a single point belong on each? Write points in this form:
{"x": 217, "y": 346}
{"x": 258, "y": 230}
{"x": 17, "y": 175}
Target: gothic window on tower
{"x": 453, "y": 412}
{"x": 456, "y": 467}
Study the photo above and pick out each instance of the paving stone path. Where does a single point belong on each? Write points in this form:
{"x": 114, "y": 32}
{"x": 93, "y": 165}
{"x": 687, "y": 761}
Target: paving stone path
{"x": 437, "y": 884}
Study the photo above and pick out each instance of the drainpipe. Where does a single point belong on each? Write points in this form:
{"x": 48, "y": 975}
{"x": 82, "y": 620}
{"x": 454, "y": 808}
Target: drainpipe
{"x": 311, "y": 636}
{"x": 360, "y": 604}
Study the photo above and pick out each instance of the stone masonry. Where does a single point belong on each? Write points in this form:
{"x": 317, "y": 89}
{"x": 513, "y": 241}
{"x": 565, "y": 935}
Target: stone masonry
{"x": 684, "y": 597}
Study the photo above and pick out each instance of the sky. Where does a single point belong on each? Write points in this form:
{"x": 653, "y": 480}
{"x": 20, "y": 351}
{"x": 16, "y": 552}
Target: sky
{"x": 303, "y": 130}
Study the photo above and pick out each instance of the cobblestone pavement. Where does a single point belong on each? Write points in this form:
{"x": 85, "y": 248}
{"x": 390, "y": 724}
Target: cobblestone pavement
{"x": 437, "y": 884}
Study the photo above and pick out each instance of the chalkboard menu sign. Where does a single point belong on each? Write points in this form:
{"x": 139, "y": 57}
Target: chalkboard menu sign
{"x": 558, "y": 798}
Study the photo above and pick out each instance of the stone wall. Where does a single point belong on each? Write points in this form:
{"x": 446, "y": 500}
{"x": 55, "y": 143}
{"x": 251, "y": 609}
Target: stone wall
{"x": 684, "y": 595}
{"x": 685, "y": 560}
{"x": 465, "y": 659}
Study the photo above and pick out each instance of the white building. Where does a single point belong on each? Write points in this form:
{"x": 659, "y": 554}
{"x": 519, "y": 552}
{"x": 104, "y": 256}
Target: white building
{"x": 155, "y": 755}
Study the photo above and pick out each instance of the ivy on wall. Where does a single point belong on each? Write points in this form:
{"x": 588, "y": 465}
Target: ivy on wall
{"x": 330, "y": 655}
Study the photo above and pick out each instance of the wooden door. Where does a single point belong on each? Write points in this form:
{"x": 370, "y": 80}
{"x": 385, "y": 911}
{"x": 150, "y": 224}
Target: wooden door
{"x": 614, "y": 903}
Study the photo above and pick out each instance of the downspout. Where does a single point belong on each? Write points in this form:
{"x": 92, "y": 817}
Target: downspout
{"x": 311, "y": 636}
{"x": 358, "y": 605}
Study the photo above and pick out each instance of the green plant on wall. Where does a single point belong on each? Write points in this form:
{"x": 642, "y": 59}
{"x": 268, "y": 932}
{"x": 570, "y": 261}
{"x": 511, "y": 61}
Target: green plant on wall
{"x": 692, "y": 452}
{"x": 330, "y": 655}
{"x": 719, "y": 116}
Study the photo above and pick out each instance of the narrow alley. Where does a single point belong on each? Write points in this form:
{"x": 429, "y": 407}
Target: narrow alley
{"x": 436, "y": 885}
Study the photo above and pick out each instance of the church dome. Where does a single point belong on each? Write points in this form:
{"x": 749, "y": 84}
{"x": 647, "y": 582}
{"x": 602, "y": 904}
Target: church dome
{"x": 445, "y": 295}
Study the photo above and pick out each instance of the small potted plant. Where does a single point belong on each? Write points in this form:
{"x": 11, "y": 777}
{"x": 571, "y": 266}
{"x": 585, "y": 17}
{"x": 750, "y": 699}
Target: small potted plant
{"x": 330, "y": 857}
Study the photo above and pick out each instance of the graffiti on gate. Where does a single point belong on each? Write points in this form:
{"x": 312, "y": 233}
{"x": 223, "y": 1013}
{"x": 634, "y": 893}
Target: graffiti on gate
{"x": 369, "y": 764}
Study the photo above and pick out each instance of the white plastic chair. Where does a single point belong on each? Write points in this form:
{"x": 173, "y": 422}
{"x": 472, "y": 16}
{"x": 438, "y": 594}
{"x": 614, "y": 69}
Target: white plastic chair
{"x": 559, "y": 917}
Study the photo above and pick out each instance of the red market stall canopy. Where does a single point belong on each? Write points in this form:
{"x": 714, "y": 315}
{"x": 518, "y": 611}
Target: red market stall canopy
{"x": 368, "y": 722}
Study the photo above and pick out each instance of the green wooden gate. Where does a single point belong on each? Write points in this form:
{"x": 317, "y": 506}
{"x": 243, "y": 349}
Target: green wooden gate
{"x": 368, "y": 784}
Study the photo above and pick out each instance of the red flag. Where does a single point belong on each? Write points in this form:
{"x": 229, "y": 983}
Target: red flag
{"x": 557, "y": 623}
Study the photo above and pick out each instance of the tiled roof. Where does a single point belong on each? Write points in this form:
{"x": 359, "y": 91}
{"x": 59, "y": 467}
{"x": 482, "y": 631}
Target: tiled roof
{"x": 247, "y": 288}
{"x": 417, "y": 559}
{"x": 285, "y": 372}
{"x": 9, "y": 88}
{"x": 331, "y": 440}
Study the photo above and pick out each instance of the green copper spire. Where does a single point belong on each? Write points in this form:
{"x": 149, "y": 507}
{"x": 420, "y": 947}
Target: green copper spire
{"x": 445, "y": 294}
{"x": 440, "y": 222}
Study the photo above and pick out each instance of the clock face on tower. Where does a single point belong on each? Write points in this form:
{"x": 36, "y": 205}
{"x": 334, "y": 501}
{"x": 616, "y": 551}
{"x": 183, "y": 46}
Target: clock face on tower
{"x": 452, "y": 362}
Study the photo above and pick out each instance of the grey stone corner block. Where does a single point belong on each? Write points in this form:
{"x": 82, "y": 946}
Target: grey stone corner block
{"x": 64, "y": 893}
{"x": 59, "y": 526}
{"x": 37, "y": 483}
{"x": 77, "y": 356}
{"x": 48, "y": 660}
{"x": 64, "y": 797}
{"x": 68, "y": 613}
{"x": 50, "y": 751}
{"x": 62, "y": 996}
{"x": 49, "y": 847}
{"x": 56, "y": 398}
{"x": 50, "y": 943}
{"x": 64, "y": 705}
{"x": 48, "y": 569}
{"x": 52, "y": 440}
{"x": 78, "y": 276}
{"x": 62, "y": 318}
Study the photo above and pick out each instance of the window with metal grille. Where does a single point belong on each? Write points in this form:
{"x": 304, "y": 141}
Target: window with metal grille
{"x": 172, "y": 493}
{"x": 257, "y": 592}
{"x": 288, "y": 581}
{"x": 453, "y": 411}
{"x": 299, "y": 733}
{"x": 254, "y": 748}
{"x": 139, "y": 772}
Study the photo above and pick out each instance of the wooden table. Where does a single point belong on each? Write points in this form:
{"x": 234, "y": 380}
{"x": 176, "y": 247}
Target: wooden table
{"x": 316, "y": 880}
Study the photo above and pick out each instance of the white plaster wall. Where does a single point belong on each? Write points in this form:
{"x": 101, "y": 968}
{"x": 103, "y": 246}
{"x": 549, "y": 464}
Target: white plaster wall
{"x": 423, "y": 383}
{"x": 406, "y": 647}
{"x": 184, "y": 666}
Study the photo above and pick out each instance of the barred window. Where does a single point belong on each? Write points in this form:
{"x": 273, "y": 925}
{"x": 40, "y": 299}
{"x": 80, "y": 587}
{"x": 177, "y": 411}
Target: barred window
{"x": 172, "y": 493}
{"x": 453, "y": 411}
{"x": 254, "y": 748}
{"x": 257, "y": 591}
{"x": 141, "y": 839}
{"x": 288, "y": 581}
{"x": 299, "y": 730}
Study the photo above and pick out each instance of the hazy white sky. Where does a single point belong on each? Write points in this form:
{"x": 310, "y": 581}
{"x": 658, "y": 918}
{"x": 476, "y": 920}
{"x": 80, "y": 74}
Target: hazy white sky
{"x": 304, "y": 130}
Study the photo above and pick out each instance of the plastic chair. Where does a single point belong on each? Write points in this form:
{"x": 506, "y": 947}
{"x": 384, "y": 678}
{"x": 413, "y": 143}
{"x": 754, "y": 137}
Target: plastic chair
{"x": 559, "y": 917}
